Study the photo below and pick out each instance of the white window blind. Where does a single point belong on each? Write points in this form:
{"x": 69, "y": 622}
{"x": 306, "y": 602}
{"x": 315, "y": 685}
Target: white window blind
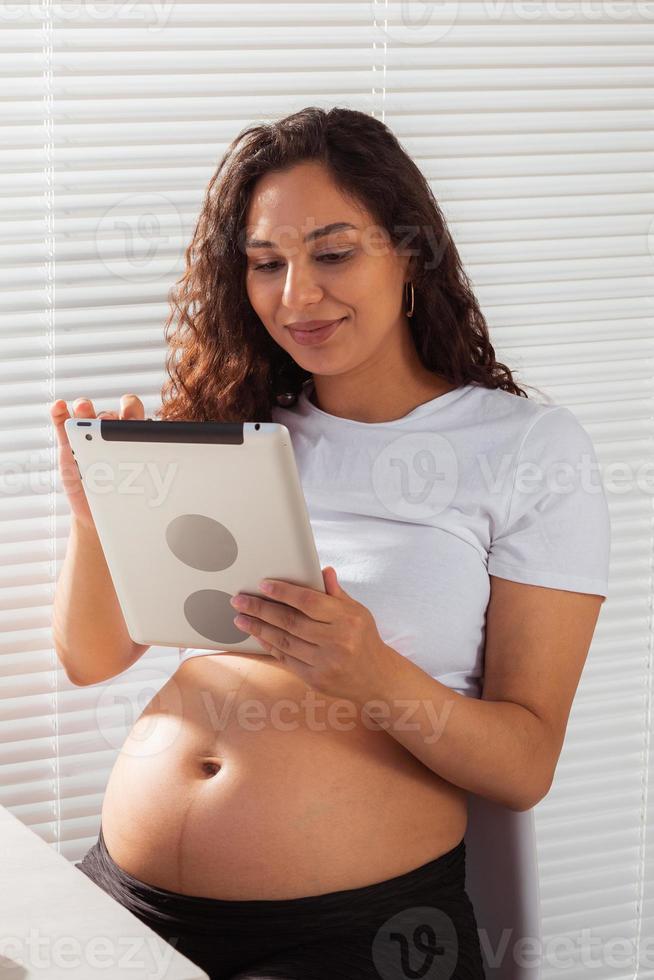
{"x": 533, "y": 123}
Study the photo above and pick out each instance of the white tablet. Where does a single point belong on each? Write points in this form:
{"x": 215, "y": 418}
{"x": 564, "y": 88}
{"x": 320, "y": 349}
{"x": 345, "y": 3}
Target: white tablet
{"x": 189, "y": 514}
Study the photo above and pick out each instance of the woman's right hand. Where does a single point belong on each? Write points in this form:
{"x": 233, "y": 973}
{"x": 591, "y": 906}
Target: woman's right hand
{"x": 131, "y": 407}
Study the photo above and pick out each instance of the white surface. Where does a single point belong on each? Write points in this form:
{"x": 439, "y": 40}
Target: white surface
{"x": 57, "y": 923}
{"x": 502, "y": 880}
{"x": 194, "y": 536}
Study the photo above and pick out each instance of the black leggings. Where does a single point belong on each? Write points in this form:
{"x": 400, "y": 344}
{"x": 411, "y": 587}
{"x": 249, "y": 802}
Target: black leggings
{"x": 419, "y": 925}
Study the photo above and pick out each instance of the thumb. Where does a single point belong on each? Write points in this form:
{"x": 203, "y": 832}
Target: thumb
{"x": 331, "y": 582}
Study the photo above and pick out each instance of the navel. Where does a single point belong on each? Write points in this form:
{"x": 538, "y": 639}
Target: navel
{"x": 210, "y": 767}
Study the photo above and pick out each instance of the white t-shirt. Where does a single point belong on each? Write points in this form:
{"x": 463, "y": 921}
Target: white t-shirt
{"x": 416, "y": 513}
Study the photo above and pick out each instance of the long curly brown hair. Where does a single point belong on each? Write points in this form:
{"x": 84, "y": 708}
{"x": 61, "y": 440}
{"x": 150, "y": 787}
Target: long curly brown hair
{"x": 222, "y": 364}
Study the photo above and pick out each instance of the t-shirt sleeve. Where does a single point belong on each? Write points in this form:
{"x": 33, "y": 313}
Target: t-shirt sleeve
{"x": 557, "y": 530}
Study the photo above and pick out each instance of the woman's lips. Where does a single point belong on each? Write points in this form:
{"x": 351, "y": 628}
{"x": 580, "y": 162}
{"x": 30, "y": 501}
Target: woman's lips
{"x": 309, "y": 337}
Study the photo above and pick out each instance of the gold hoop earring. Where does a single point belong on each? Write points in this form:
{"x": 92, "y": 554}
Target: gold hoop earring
{"x": 413, "y": 298}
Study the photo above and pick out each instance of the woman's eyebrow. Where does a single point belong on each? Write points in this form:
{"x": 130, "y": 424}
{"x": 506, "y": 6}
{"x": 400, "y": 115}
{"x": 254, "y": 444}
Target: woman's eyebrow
{"x": 316, "y": 233}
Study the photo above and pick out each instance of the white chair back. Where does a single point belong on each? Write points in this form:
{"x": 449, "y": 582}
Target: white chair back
{"x": 503, "y": 885}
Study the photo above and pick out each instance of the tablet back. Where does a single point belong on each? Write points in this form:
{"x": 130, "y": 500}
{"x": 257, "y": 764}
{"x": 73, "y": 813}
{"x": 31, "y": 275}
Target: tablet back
{"x": 189, "y": 514}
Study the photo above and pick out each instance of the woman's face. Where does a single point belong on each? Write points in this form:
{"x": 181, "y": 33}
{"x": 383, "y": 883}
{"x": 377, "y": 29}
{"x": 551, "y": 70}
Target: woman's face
{"x": 351, "y": 273}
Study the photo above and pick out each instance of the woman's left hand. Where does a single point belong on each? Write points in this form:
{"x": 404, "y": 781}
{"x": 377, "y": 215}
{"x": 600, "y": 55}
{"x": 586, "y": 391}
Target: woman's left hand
{"x": 329, "y": 640}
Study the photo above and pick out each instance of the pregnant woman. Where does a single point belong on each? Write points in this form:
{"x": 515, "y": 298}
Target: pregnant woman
{"x": 300, "y": 813}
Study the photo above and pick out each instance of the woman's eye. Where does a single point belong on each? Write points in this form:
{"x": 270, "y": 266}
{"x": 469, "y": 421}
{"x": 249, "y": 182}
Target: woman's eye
{"x": 337, "y": 256}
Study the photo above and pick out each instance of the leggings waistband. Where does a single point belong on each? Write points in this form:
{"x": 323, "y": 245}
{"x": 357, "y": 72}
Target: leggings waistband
{"x": 443, "y": 877}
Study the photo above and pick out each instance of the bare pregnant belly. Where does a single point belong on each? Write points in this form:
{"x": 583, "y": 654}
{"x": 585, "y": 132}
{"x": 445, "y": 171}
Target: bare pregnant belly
{"x": 239, "y": 781}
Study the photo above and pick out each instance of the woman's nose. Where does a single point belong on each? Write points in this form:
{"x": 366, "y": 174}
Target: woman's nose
{"x": 300, "y": 286}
